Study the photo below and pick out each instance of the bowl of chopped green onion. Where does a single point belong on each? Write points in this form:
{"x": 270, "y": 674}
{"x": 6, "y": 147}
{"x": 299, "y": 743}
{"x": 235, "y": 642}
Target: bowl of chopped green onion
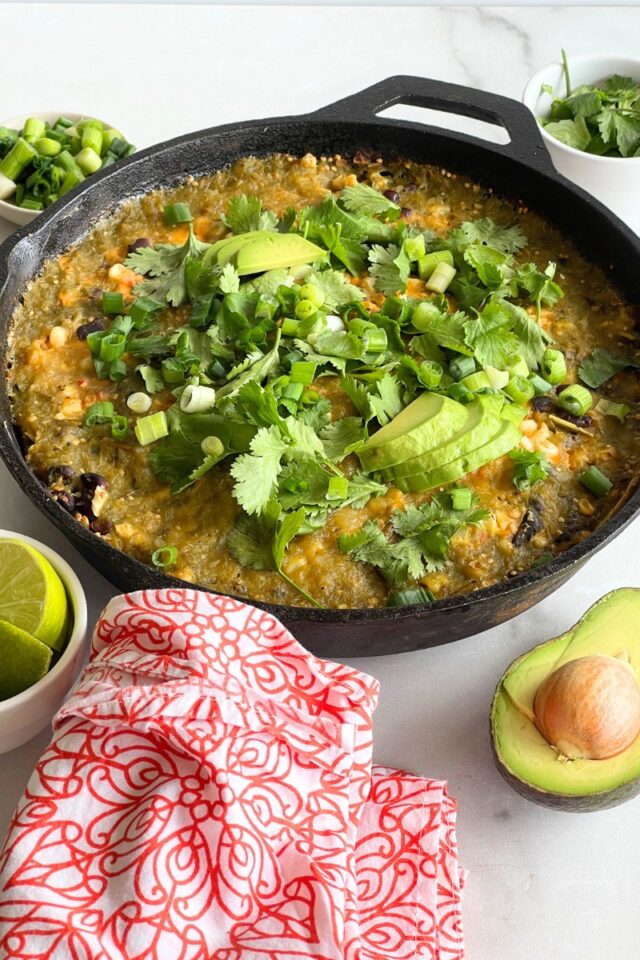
{"x": 589, "y": 110}
{"x": 45, "y": 155}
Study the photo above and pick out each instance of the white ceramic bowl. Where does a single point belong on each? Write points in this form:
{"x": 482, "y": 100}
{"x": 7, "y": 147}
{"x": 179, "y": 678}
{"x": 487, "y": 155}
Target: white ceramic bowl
{"x": 613, "y": 180}
{"x": 9, "y": 211}
{"x": 24, "y": 715}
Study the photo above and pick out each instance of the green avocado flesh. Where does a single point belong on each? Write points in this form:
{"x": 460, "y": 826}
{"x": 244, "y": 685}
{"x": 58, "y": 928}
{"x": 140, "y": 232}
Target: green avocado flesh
{"x": 610, "y": 627}
{"x": 23, "y": 660}
{"x": 505, "y": 437}
{"x": 260, "y": 250}
{"x": 424, "y": 424}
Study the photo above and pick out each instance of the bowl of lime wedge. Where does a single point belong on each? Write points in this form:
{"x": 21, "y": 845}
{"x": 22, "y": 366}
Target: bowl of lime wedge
{"x": 43, "y": 625}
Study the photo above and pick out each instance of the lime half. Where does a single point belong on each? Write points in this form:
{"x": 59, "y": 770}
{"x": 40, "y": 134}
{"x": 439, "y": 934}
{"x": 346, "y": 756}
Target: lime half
{"x": 23, "y": 660}
{"x": 32, "y": 595}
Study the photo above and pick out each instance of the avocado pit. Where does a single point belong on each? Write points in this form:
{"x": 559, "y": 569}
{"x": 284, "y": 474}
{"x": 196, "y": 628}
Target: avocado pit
{"x": 589, "y": 708}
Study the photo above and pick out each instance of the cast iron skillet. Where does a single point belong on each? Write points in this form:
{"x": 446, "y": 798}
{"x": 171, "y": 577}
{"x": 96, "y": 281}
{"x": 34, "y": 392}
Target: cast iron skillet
{"x": 520, "y": 170}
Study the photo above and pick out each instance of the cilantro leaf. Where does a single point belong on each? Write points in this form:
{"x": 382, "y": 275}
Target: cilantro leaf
{"x": 531, "y": 337}
{"x": 360, "y": 490}
{"x": 385, "y": 399}
{"x": 153, "y": 379}
{"x": 256, "y": 473}
{"x": 485, "y": 231}
{"x": 490, "y": 336}
{"x": 446, "y": 329}
{"x": 492, "y": 266}
{"x": 370, "y": 545}
{"x": 427, "y": 531}
{"x": 229, "y": 279}
{"x": 337, "y": 291}
{"x": 540, "y": 286}
{"x": 390, "y": 267}
{"x": 259, "y": 367}
{"x": 363, "y": 199}
{"x": 245, "y": 214}
{"x": 573, "y": 133}
{"x": 342, "y": 437}
{"x": 600, "y": 366}
{"x": 164, "y": 267}
{"x": 530, "y": 467}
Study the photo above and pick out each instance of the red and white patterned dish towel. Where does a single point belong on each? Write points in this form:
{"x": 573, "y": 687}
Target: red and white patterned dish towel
{"x": 208, "y": 795}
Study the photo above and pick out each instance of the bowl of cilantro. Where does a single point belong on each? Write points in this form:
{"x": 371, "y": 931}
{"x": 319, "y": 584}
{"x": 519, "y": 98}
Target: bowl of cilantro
{"x": 589, "y": 110}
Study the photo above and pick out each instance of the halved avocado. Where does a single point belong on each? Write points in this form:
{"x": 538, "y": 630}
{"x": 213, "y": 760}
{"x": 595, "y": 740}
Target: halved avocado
{"x": 480, "y": 423}
{"x": 527, "y": 762}
{"x": 424, "y": 424}
{"x": 506, "y": 436}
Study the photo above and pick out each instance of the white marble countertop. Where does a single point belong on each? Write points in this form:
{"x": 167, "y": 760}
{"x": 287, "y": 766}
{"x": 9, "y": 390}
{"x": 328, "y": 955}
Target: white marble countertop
{"x": 542, "y": 884}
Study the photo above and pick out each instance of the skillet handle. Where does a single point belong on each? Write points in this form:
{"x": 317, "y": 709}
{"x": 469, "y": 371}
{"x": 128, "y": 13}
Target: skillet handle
{"x": 526, "y": 143}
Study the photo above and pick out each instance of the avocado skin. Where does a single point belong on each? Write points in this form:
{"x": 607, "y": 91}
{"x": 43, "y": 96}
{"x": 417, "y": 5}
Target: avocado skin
{"x": 571, "y": 803}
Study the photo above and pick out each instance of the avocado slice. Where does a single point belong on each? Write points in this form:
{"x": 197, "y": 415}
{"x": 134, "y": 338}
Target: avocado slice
{"x": 425, "y": 423}
{"x": 523, "y": 757}
{"x": 222, "y": 251}
{"x": 505, "y": 437}
{"x": 480, "y": 423}
{"x": 270, "y": 251}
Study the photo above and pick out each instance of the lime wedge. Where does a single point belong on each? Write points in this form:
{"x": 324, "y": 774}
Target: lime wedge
{"x": 32, "y": 596}
{"x": 23, "y": 660}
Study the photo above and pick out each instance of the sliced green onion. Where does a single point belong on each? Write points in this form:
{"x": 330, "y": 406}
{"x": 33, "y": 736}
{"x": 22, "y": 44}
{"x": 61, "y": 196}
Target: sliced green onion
{"x": 139, "y": 402}
{"x": 19, "y": 157}
{"x": 595, "y": 481}
{"x": 406, "y": 598}
{"x": 119, "y": 427}
{"x": 305, "y": 309}
{"x": 513, "y": 412}
{"x": 553, "y": 366}
{"x": 67, "y": 162}
{"x": 175, "y": 213}
{"x": 172, "y": 371}
{"x": 88, "y": 160}
{"x": 88, "y": 122}
{"x": 431, "y": 373}
{"x": 338, "y": 488}
{"x": 457, "y": 392}
{"x": 47, "y": 147}
{"x": 309, "y": 291}
{"x": 609, "y": 408}
{"x": 428, "y": 263}
{"x": 539, "y": 384}
{"x": 98, "y": 413}
{"x": 164, "y": 557}
{"x": 33, "y": 129}
{"x": 290, "y": 327}
{"x": 576, "y": 399}
{"x": 462, "y": 367}
{"x": 497, "y": 378}
{"x": 476, "y": 381}
{"x": 142, "y": 310}
{"x": 303, "y": 371}
{"x": 293, "y": 391}
{"x": 197, "y": 399}
{"x": 19, "y": 188}
{"x": 112, "y": 346}
{"x": 519, "y": 390}
{"x": 461, "y": 498}
{"x": 516, "y": 367}
{"x": 31, "y": 203}
{"x": 71, "y": 180}
{"x": 92, "y": 139}
{"x": 117, "y": 370}
{"x": 212, "y": 447}
{"x": 375, "y": 340}
{"x": 441, "y": 277}
{"x": 151, "y": 428}
{"x": 108, "y": 136}
{"x": 112, "y": 303}
{"x": 63, "y": 122}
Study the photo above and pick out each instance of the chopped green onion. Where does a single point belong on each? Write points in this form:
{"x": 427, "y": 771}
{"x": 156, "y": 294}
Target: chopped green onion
{"x": 151, "y": 428}
{"x": 457, "y": 392}
{"x": 476, "y": 381}
{"x": 19, "y": 157}
{"x": 108, "y": 136}
{"x": 164, "y": 557}
{"x": 33, "y": 129}
{"x": 513, "y": 412}
{"x": 139, "y": 402}
{"x": 119, "y": 427}
{"x": 98, "y": 413}
{"x": 609, "y": 408}
{"x": 172, "y": 371}
{"x": 71, "y": 180}
{"x": 497, "y": 378}
{"x": 338, "y": 488}
{"x": 431, "y": 373}
{"x": 375, "y": 340}
{"x": 303, "y": 371}
{"x": 47, "y": 147}
{"x": 30, "y": 203}
{"x": 175, "y": 213}
{"x": 305, "y": 309}
{"x": 290, "y": 327}
{"x": 427, "y": 264}
{"x": 406, "y": 598}
{"x": 553, "y": 366}
{"x": 117, "y": 369}
{"x": 67, "y": 162}
{"x": 519, "y": 390}
{"x": 112, "y": 346}
{"x": 88, "y": 160}
{"x": 576, "y": 399}
{"x": 423, "y": 315}
{"x": 112, "y": 303}
{"x": 516, "y": 367}
{"x": 595, "y": 481}
{"x": 441, "y": 277}
{"x": 212, "y": 447}
{"x": 142, "y": 310}
{"x": 539, "y": 384}
{"x": 461, "y": 367}
{"x": 63, "y": 122}
{"x": 293, "y": 391}
{"x": 461, "y": 498}
{"x": 88, "y": 122}
{"x": 309, "y": 291}
{"x": 197, "y": 399}
{"x": 92, "y": 139}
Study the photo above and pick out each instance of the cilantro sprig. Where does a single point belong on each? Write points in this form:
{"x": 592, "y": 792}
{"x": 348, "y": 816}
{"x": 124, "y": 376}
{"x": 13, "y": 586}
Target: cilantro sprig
{"x": 530, "y": 467}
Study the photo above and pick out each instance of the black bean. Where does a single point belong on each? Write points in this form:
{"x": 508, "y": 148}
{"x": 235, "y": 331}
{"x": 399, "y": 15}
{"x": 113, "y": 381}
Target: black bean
{"x": 583, "y": 421}
{"x": 89, "y": 481}
{"x": 85, "y": 329}
{"x": 65, "y": 499}
{"x": 406, "y": 212}
{"x": 137, "y": 244}
{"x": 100, "y": 525}
{"x": 59, "y": 472}
{"x": 542, "y": 404}
{"x": 392, "y": 195}
{"x": 530, "y": 525}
